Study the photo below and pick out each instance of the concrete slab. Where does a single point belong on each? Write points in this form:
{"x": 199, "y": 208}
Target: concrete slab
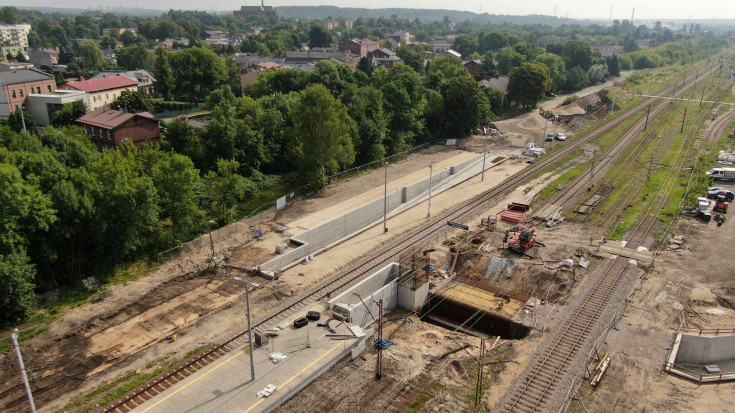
{"x": 225, "y": 385}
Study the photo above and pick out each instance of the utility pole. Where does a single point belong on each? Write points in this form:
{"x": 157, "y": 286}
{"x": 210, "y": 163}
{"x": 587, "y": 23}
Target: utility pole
{"x": 385, "y": 200}
{"x": 14, "y": 338}
{"x": 379, "y": 365}
{"x": 484, "y": 154}
{"x": 250, "y": 334}
{"x": 23, "y": 118}
{"x": 480, "y": 368}
{"x": 647, "y": 113}
{"x": 683, "y": 120}
{"x": 702, "y": 98}
{"x": 211, "y": 241}
{"x": 431, "y": 174}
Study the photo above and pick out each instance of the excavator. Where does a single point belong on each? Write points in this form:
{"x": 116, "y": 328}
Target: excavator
{"x": 523, "y": 240}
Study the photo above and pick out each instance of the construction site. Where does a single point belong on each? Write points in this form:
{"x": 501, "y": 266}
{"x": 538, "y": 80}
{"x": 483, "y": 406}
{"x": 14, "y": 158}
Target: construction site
{"x": 504, "y": 273}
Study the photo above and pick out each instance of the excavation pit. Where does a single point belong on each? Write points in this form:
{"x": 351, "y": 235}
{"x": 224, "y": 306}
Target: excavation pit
{"x": 471, "y": 308}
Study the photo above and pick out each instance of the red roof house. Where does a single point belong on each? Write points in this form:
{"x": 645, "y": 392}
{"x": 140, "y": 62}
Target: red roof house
{"x": 104, "y": 90}
{"x": 109, "y": 128}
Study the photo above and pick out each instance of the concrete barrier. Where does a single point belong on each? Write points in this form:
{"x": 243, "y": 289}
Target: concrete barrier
{"x": 326, "y": 235}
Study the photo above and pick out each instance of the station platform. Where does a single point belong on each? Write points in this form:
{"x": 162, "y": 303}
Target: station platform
{"x": 225, "y": 385}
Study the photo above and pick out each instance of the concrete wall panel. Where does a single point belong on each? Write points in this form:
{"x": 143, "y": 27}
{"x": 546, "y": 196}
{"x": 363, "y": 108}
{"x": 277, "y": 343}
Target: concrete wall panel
{"x": 705, "y": 349}
{"x": 340, "y": 227}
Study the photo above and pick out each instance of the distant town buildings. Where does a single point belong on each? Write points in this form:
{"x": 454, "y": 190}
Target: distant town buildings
{"x": 360, "y": 47}
{"x": 262, "y": 10}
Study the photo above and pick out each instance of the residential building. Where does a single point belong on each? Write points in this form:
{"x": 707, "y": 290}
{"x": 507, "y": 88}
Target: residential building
{"x": 109, "y": 128}
{"x": 608, "y": 50}
{"x": 110, "y": 56}
{"x": 441, "y": 44}
{"x": 399, "y": 39}
{"x": 496, "y": 82}
{"x": 360, "y": 47}
{"x": 307, "y": 60}
{"x": 118, "y": 30}
{"x": 44, "y": 57}
{"x": 12, "y": 51}
{"x": 102, "y": 91}
{"x": 11, "y": 66}
{"x": 450, "y": 52}
{"x": 145, "y": 80}
{"x": 348, "y": 24}
{"x": 262, "y": 10}
{"x": 18, "y": 84}
{"x": 15, "y": 34}
{"x": 474, "y": 67}
{"x": 42, "y": 106}
{"x": 384, "y": 57}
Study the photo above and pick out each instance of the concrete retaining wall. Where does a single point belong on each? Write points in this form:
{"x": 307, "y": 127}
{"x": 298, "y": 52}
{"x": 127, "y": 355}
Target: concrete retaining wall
{"x": 705, "y": 349}
{"x": 352, "y": 222}
{"x": 360, "y": 303}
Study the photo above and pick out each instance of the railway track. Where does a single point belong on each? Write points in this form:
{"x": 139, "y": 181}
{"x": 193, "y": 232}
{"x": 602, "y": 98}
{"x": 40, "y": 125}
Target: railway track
{"x": 415, "y": 240}
{"x": 564, "y": 350}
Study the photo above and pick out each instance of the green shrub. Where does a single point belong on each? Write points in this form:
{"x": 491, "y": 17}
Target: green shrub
{"x": 570, "y": 99}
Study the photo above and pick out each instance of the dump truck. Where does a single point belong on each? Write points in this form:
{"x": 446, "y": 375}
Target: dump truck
{"x": 722, "y": 174}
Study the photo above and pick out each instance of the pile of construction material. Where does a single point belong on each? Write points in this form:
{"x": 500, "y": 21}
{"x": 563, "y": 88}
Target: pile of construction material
{"x": 726, "y": 158}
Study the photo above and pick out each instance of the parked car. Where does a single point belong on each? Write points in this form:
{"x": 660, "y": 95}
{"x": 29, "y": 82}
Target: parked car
{"x": 550, "y": 94}
{"x": 549, "y": 137}
{"x": 560, "y": 137}
{"x": 713, "y": 194}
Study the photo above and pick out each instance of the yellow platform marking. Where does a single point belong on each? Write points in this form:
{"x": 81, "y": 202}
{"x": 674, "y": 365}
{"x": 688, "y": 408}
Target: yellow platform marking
{"x": 297, "y": 374}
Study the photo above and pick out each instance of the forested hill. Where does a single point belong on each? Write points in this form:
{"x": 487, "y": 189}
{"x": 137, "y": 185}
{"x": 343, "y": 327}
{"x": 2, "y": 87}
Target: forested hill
{"x": 425, "y": 15}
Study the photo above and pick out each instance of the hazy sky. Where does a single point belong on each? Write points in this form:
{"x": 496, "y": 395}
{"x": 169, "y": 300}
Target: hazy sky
{"x": 578, "y": 9}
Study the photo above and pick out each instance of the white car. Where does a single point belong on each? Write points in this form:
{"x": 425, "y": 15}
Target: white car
{"x": 560, "y": 137}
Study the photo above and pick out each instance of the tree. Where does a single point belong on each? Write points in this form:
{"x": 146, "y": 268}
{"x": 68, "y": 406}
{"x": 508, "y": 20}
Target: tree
{"x": 133, "y": 102}
{"x": 578, "y": 53}
{"x": 126, "y": 202}
{"x": 365, "y": 106}
{"x": 198, "y": 70}
{"x": 613, "y": 65}
{"x": 23, "y": 211}
{"x": 411, "y": 57}
{"x": 319, "y": 36}
{"x": 16, "y": 121}
{"x": 492, "y": 42}
{"x": 528, "y": 82}
{"x": 68, "y": 114}
{"x": 167, "y": 29}
{"x": 597, "y": 73}
{"x": 224, "y": 187}
{"x": 365, "y": 66}
{"x": 577, "y": 79}
{"x": 176, "y": 181}
{"x": 557, "y": 68}
{"x": 9, "y": 15}
{"x": 320, "y": 140}
{"x": 164, "y": 83}
{"x": 90, "y": 56}
{"x": 21, "y": 57}
{"x": 133, "y": 57}
{"x": 508, "y": 59}
{"x": 465, "y": 105}
{"x": 465, "y": 44}
{"x": 108, "y": 42}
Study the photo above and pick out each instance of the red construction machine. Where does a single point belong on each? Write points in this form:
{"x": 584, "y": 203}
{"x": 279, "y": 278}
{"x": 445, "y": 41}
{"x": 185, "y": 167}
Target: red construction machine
{"x": 721, "y": 204}
{"x": 523, "y": 240}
